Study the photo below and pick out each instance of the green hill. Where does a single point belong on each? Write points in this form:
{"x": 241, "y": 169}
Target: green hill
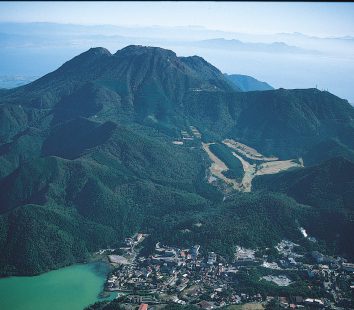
{"x": 285, "y": 123}
{"x": 329, "y": 188}
{"x": 114, "y": 186}
{"x": 87, "y": 159}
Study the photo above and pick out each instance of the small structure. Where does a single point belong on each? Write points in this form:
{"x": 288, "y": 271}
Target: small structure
{"x": 314, "y": 302}
{"x": 348, "y": 267}
{"x": 135, "y": 299}
{"x": 211, "y": 258}
{"x": 138, "y": 237}
{"x": 143, "y": 307}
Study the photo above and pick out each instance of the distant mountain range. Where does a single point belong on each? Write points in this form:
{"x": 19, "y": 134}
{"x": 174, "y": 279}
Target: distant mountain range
{"x": 34, "y": 49}
{"x": 237, "y": 45}
{"x": 15, "y": 81}
{"x": 87, "y": 157}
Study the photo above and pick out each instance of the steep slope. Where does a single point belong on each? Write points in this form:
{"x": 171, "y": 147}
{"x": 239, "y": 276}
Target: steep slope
{"x": 285, "y": 123}
{"x": 248, "y": 83}
{"x": 142, "y": 78}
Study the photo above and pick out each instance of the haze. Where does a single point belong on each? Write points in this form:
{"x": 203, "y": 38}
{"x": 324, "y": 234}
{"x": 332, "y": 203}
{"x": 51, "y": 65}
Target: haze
{"x": 316, "y": 50}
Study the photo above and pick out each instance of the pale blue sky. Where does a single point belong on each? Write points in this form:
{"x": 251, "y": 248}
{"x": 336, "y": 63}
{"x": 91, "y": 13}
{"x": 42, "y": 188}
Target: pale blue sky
{"x": 320, "y": 19}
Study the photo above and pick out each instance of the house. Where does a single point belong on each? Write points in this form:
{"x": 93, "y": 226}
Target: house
{"x": 292, "y": 261}
{"x": 313, "y": 302}
{"x": 195, "y": 251}
{"x": 283, "y": 302}
{"x": 211, "y": 258}
{"x": 135, "y": 299}
{"x": 143, "y": 307}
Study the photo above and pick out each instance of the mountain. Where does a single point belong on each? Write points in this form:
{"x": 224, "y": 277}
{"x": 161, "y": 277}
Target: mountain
{"x": 145, "y": 83}
{"x": 87, "y": 156}
{"x": 248, "y": 83}
{"x": 136, "y": 84}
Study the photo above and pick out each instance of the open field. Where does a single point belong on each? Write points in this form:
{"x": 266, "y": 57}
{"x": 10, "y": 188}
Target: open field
{"x": 276, "y": 166}
{"x": 249, "y": 306}
{"x": 217, "y": 167}
{"x": 246, "y": 150}
{"x": 117, "y": 259}
{"x": 249, "y": 173}
{"x": 266, "y": 165}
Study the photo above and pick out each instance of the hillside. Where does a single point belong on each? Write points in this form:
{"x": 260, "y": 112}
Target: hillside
{"x": 282, "y": 123}
{"x": 112, "y": 188}
{"x": 329, "y": 188}
{"x": 248, "y": 83}
{"x": 328, "y": 185}
{"x": 88, "y": 156}
{"x": 155, "y": 88}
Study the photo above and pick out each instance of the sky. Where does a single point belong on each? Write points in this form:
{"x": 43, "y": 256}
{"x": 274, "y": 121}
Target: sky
{"x": 37, "y": 53}
{"x": 319, "y": 19}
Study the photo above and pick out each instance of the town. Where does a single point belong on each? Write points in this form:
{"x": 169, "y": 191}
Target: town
{"x": 191, "y": 276}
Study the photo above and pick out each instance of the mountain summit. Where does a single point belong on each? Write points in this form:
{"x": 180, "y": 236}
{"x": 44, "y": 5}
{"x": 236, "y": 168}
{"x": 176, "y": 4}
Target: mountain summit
{"x": 144, "y": 82}
{"x": 155, "y": 87}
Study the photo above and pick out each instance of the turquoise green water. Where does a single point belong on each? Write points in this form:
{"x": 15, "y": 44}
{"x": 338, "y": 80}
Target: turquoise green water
{"x": 70, "y": 288}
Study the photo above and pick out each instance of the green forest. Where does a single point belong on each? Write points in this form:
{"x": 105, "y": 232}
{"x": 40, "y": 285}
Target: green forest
{"x": 87, "y": 159}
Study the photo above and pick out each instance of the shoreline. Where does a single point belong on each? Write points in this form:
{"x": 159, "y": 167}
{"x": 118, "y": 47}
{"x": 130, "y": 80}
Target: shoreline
{"x": 94, "y": 258}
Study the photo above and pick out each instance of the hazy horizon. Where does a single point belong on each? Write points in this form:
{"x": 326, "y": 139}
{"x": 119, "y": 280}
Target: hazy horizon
{"x": 289, "y": 45}
{"x": 320, "y": 19}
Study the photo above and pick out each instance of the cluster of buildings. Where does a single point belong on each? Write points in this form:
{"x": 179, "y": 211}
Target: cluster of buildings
{"x": 206, "y": 279}
{"x": 188, "y": 136}
{"x": 334, "y": 277}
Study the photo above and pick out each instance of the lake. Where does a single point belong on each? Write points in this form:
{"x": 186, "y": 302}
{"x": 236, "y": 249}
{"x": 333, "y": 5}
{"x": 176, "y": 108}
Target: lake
{"x": 70, "y": 288}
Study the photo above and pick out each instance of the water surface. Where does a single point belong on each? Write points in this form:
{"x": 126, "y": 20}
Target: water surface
{"x": 69, "y": 288}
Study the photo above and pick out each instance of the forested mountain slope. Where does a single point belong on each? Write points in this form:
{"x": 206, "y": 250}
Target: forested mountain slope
{"x": 87, "y": 159}
{"x": 329, "y": 188}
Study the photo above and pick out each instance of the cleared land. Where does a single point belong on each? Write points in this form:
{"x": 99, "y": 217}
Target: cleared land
{"x": 249, "y": 306}
{"x": 278, "y": 280}
{"x": 249, "y": 173}
{"x": 276, "y": 166}
{"x": 117, "y": 259}
{"x": 266, "y": 165}
{"x": 217, "y": 167}
{"x": 247, "y": 151}
{"x": 195, "y": 132}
